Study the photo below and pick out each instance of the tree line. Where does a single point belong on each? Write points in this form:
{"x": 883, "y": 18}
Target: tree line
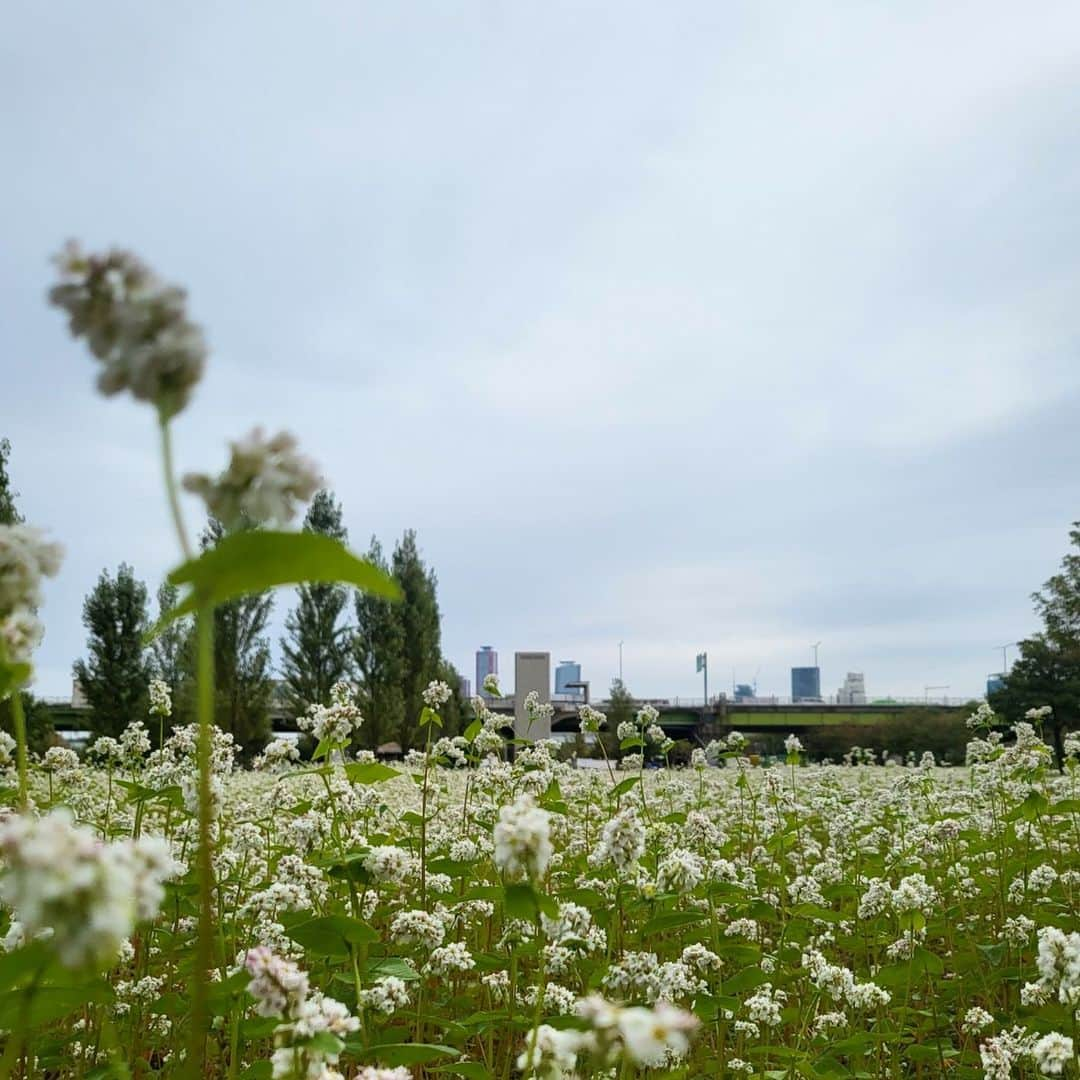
{"x": 388, "y": 651}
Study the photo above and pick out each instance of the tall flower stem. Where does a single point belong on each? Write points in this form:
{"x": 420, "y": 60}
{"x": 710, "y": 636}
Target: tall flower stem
{"x": 204, "y": 954}
{"x": 170, "y": 486}
{"x": 19, "y": 718}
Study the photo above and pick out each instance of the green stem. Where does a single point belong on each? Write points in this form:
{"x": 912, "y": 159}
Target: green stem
{"x": 204, "y": 955}
{"x": 19, "y": 718}
{"x": 170, "y": 487}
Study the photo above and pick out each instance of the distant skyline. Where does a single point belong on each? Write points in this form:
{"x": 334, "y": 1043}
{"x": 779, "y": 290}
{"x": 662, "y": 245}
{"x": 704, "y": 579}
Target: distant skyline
{"x": 700, "y": 327}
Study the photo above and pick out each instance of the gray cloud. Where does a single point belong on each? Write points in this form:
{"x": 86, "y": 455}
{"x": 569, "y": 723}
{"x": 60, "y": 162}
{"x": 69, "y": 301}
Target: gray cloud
{"x": 728, "y": 327}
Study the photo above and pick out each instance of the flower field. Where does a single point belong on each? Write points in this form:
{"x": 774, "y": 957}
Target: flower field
{"x": 464, "y": 914}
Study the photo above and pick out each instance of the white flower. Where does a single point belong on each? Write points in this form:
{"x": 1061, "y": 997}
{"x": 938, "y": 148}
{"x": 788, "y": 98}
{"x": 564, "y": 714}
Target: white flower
{"x": 491, "y": 685}
{"x": 59, "y": 876}
{"x": 278, "y": 985}
{"x": 436, "y": 694}
{"x": 523, "y": 839}
{"x": 265, "y": 480}
{"x": 591, "y": 720}
{"x": 793, "y": 744}
{"x": 1052, "y": 1053}
{"x": 386, "y": 995}
{"x": 160, "y": 698}
{"x": 333, "y": 723}
{"x": 975, "y": 1020}
{"x": 134, "y": 323}
{"x": 25, "y": 558}
{"x": 449, "y": 958}
{"x": 651, "y": 1035}
{"x": 622, "y": 841}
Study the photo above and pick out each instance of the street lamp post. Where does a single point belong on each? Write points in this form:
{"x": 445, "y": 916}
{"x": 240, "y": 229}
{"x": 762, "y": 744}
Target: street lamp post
{"x": 1005, "y": 657}
{"x": 703, "y": 667}
{"x": 620, "y": 661}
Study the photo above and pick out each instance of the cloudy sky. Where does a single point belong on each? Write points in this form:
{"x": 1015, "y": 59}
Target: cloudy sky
{"x": 710, "y": 326}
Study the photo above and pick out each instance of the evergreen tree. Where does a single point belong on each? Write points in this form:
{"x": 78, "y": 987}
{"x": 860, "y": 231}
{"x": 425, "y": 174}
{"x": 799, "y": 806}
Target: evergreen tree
{"x": 620, "y": 710}
{"x": 377, "y": 646}
{"x": 243, "y": 685}
{"x": 419, "y": 614}
{"x": 115, "y": 678}
{"x": 8, "y": 514}
{"x": 315, "y": 649}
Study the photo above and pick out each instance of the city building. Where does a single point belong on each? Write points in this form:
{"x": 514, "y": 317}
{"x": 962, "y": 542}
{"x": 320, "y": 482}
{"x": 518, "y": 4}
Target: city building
{"x": 744, "y": 692}
{"x": 566, "y": 673}
{"x": 487, "y": 663}
{"x": 995, "y": 682}
{"x": 532, "y": 671}
{"x": 853, "y": 692}
{"x": 465, "y": 687}
{"x": 806, "y": 684}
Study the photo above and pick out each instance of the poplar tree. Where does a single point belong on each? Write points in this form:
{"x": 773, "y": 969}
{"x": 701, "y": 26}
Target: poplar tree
{"x": 377, "y": 647}
{"x": 419, "y": 615}
{"x": 116, "y": 674}
{"x": 316, "y": 648}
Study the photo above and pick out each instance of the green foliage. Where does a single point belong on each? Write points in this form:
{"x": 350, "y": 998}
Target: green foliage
{"x": 1047, "y": 672}
{"x": 315, "y": 649}
{"x": 915, "y": 730}
{"x": 420, "y": 632}
{"x": 9, "y": 515}
{"x": 377, "y": 647}
{"x": 40, "y": 734}
{"x": 115, "y": 676}
{"x": 1058, "y": 603}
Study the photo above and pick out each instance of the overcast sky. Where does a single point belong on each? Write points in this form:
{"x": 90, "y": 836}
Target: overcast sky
{"x": 704, "y": 326}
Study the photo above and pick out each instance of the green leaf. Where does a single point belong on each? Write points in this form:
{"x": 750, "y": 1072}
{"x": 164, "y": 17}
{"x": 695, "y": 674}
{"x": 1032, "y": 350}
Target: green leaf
{"x": 391, "y": 965}
{"x": 633, "y": 742}
{"x": 373, "y": 772}
{"x": 258, "y": 559}
{"x": 473, "y": 730}
{"x": 49, "y": 1003}
{"x": 623, "y": 786}
{"x": 522, "y": 901}
{"x": 671, "y": 920}
{"x": 332, "y": 935}
{"x": 393, "y": 1054}
{"x": 12, "y": 676}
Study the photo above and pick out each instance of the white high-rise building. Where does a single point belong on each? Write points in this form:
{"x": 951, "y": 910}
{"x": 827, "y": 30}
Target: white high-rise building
{"x": 853, "y": 692}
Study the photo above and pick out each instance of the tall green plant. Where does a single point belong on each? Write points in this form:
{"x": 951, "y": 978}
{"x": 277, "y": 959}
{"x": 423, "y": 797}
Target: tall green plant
{"x": 137, "y": 328}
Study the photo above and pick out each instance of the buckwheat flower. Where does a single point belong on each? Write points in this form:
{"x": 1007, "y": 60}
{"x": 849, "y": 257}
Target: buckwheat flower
{"x": 265, "y": 481}
{"x": 418, "y": 927}
{"x": 914, "y": 893}
{"x": 20, "y": 634}
{"x": 388, "y": 863}
{"x": 134, "y": 323}
{"x": 373, "y": 1072}
{"x": 1052, "y": 1053}
{"x": 793, "y": 744}
{"x": 25, "y": 558}
{"x": 549, "y": 1053}
{"x": 449, "y": 958}
{"x": 491, "y": 685}
{"x": 975, "y": 1020}
{"x": 698, "y": 759}
{"x": 7, "y": 749}
{"x": 386, "y": 995}
{"x": 436, "y": 694}
{"x": 278, "y": 985}
{"x": 764, "y": 1005}
{"x": 152, "y": 864}
{"x": 737, "y": 1065}
{"x": 537, "y": 711}
{"x": 652, "y": 1036}
{"x": 61, "y": 877}
{"x": 134, "y": 744}
{"x": 62, "y": 761}
{"x": 622, "y": 841}
{"x": 160, "y": 698}
{"x": 319, "y": 1013}
{"x": 627, "y": 730}
{"x": 523, "y": 839}
{"x": 333, "y": 723}
{"x": 106, "y": 750}
{"x": 1000, "y": 1053}
{"x": 277, "y": 755}
{"x": 680, "y": 871}
{"x": 828, "y": 1021}
{"x": 590, "y": 719}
